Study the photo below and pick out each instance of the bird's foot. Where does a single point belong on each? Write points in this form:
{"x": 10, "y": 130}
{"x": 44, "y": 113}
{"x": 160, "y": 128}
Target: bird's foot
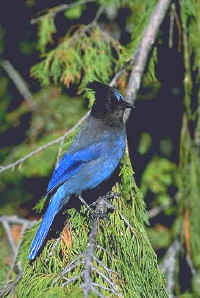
{"x": 102, "y": 202}
{"x": 94, "y": 214}
{"x": 111, "y": 194}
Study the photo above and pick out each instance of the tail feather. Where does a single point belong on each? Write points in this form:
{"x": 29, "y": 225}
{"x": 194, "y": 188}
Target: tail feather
{"x": 54, "y": 207}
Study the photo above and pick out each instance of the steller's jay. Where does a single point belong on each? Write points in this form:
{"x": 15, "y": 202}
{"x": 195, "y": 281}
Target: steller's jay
{"x": 92, "y": 158}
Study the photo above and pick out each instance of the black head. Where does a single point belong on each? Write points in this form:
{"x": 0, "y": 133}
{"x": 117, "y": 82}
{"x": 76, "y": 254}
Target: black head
{"x": 108, "y": 101}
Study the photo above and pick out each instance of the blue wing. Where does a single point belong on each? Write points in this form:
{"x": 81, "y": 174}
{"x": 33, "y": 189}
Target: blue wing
{"x": 71, "y": 163}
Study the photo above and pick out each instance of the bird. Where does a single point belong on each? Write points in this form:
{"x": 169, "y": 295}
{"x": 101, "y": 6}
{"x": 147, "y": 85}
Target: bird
{"x": 91, "y": 159}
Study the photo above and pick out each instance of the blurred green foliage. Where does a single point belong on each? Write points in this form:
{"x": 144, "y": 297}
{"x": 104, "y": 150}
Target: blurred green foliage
{"x": 158, "y": 181}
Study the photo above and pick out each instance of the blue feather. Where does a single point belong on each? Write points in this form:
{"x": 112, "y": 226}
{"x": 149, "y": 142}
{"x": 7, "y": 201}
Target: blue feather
{"x": 91, "y": 159}
{"x": 55, "y": 205}
{"x": 71, "y": 163}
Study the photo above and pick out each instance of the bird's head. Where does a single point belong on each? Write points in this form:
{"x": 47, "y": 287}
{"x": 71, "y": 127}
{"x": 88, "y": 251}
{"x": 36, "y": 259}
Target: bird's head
{"x": 108, "y": 101}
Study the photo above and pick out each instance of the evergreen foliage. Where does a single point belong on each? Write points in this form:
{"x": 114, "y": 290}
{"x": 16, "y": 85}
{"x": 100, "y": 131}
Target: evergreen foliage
{"x": 122, "y": 247}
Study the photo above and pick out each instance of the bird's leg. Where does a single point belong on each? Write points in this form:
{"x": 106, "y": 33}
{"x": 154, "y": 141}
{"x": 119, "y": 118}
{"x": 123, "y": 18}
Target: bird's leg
{"x": 99, "y": 213}
{"x": 84, "y": 203}
{"x": 94, "y": 213}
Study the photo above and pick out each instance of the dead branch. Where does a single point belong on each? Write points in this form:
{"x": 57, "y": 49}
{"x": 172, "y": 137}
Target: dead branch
{"x": 146, "y": 45}
{"x": 156, "y": 210}
{"x": 10, "y": 286}
{"x": 6, "y": 221}
{"x": 168, "y": 266}
{"x": 21, "y": 160}
{"x": 19, "y": 83}
{"x": 53, "y": 11}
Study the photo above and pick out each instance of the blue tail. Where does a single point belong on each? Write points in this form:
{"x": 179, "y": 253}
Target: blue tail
{"x": 55, "y": 205}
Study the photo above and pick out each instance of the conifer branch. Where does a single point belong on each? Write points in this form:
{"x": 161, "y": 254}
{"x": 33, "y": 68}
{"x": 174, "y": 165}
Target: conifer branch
{"x": 74, "y": 263}
{"x": 110, "y": 206}
{"x": 70, "y": 280}
{"x": 86, "y": 28}
{"x": 87, "y": 259}
{"x": 89, "y": 256}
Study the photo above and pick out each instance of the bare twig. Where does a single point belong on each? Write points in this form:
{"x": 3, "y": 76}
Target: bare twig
{"x": 85, "y": 28}
{"x": 108, "y": 270}
{"x": 108, "y": 280}
{"x": 21, "y": 160}
{"x": 6, "y": 221}
{"x": 146, "y": 44}
{"x": 19, "y": 83}
{"x": 53, "y": 11}
{"x": 69, "y": 280}
{"x": 124, "y": 67}
{"x": 74, "y": 263}
{"x": 24, "y": 227}
{"x": 54, "y": 246}
{"x": 190, "y": 264}
{"x": 8, "y": 233}
{"x": 179, "y": 27}
{"x": 89, "y": 256}
{"x": 156, "y": 210}
{"x": 171, "y": 25}
{"x": 10, "y": 287}
{"x": 168, "y": 266}
{"x": 59, "y": 151}
{"x": 105, "y": 288}
{"x": 194, "y": 271}
{"x": 13, "y": 219}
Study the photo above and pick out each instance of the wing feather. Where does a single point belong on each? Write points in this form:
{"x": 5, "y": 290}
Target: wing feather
{"x": 71, "y": 163}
